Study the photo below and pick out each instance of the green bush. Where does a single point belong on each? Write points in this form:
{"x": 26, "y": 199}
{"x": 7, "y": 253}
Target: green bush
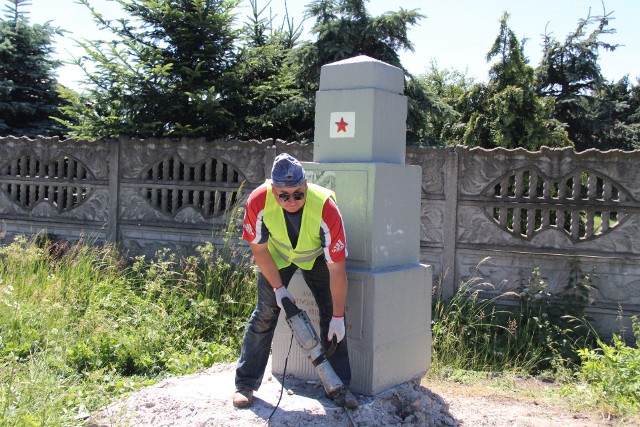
{"x": 611, "y": 374}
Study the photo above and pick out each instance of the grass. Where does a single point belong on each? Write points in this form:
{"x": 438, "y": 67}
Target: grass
{"x": 80, "y": 326}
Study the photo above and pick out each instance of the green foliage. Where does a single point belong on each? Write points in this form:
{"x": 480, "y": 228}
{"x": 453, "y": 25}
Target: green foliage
{"x": 161, "y": 75}
{"x": 261, "y": 92}
{"x": 569, "y": 72}
{"x": 557, "y": 324}
{"x": 184, "y": 69}
{"x": 345, "y": 29}
{"x": 79, "y": 326}
{"x": 613, "y": 119}
{"x": 28, "y": 97}
{"x": 463, "y": 329}
{"x": 612, "y": 375}
{"x": 565, "y": 101}
{"x": 429, "y": 113}
{"x": 444, "y": 126}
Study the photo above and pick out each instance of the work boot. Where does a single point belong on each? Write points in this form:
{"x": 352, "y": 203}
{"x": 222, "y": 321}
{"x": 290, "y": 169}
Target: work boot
{"x": 343, "y": 397}
{"x": 243, "y": 397}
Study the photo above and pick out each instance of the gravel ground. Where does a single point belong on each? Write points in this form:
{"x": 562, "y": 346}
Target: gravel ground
{"x": 204, "y": 399}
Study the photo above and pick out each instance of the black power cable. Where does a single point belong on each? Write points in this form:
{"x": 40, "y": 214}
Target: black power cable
{"x": 284, "y": 375}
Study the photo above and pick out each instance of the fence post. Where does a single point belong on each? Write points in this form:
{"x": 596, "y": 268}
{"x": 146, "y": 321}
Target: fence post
{"x": 270, "y": 154}
{"x": 450, "y": 224}
{"x": 112, "y": 234}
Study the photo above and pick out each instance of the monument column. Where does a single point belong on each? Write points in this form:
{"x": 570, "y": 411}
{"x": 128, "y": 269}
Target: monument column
{"x": 359, "y": 152}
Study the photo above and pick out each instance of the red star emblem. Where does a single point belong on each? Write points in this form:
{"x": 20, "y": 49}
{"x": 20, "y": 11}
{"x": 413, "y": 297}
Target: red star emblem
{"x": 342, "y": 125}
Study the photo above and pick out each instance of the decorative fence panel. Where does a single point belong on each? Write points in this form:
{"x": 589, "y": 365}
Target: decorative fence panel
{"x": 555, "y": 210}
{"x": 59, "y": 186}
{"x": 564, "y": 213}
{"x": 177, "y": 194}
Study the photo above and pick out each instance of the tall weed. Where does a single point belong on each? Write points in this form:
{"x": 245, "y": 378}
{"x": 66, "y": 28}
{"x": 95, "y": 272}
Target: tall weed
{"x": 557, "y": 324}
{"x": 466, "y": 328}
{"x": 526, "y": 331}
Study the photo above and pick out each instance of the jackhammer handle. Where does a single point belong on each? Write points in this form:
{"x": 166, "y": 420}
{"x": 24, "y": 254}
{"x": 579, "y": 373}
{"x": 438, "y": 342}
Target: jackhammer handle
{"x": 332, "y": 348}
{"x": 290, "y": 308}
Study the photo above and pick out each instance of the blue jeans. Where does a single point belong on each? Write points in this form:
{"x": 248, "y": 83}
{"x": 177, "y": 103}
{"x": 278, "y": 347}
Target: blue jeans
{"x": 256, "y": 343}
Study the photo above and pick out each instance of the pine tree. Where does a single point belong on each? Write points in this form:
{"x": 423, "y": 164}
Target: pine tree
{"x": 162, "y": 73}
{"x": 614, "y": 116}
{"x": 437, "y": 113}
{"x": 28, "y": 96}
{"x": 569, "y": 72}
{"x": 510, "y": 113}
{"x": 447, "y": 125}
{"x": 260, "y": 91}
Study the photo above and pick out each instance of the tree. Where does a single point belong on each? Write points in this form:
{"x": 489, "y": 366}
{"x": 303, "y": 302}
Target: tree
{"x": 260, "y": 91}
{"x": 569, "y": 72}
{"x": 345, "y": 29}
{"x": 510, "y": 114}
{"x": 634, "y": 113}
{"x": 614, "y": 116}
{"x": 441, "y": 120}
{"x": 161, "y": 75}
{"x": 28, "y": 97}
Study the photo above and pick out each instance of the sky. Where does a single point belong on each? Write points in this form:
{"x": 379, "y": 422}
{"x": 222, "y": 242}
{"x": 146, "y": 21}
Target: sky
{"x": 455, "y": 34}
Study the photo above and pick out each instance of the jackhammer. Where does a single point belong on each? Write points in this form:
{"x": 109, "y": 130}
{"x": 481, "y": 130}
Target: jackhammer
{"x": 311, "y": 345}
{"x": 309, "y": 341}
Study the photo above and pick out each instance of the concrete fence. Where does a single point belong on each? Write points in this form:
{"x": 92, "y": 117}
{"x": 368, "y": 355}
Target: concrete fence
{"x": 557, "y": 210}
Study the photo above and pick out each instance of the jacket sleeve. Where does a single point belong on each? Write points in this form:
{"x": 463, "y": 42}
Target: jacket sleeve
{"x": 253, "y": 228}
{"x": 332, "y": 234}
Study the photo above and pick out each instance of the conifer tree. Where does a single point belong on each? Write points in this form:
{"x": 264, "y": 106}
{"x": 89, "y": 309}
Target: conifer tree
{"x": 510, "y": 114}
{"x": 160, "y": 75}
{"x": 615, "y": 116}
{"x": 261, "y": 92}
{"x": 454, "y": 89}
{"x": 345, "y": 29}
{"x": 29, "y": 100}
{"x": 569, "y": 72}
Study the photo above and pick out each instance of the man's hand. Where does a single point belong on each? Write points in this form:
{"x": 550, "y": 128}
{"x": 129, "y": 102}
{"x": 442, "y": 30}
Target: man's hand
{"x": 282, "y": 292}
{"x": 336, "y": 327}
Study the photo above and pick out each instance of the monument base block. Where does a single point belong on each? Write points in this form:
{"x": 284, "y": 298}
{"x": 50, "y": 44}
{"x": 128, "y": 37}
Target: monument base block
{"x": 380, "y": 204}
{"x": 388, "y": 327}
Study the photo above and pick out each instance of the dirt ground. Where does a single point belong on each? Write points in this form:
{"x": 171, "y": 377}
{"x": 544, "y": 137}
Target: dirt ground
{"x": 483, "y": 404}
{"x": 204, "y": 399}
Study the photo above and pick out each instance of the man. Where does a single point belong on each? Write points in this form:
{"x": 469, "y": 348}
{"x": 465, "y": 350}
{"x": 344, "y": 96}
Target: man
{"x": 291, "y": 224}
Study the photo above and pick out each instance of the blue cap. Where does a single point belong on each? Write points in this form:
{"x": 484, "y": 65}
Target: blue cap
{"x": 287, "y": 172}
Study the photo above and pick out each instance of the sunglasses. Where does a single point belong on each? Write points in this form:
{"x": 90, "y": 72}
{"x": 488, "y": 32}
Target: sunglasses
{"x": 298, "y": 195}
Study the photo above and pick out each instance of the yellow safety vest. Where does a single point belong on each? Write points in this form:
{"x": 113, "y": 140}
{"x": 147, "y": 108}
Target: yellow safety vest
{"x": 308, "y": 247}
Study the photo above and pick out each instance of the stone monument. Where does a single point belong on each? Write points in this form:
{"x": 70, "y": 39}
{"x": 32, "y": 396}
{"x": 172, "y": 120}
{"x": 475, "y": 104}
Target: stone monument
{"x": 359, "y": 152}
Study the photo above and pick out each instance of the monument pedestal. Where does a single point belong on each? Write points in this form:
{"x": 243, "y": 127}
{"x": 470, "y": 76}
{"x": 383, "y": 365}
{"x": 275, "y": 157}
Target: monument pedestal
{"x": 388, "y": 311}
